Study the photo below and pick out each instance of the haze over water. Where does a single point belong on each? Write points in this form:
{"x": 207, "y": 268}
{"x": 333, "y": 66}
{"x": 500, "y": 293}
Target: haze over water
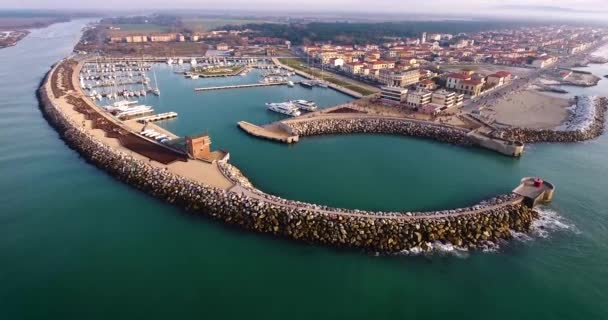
{"x": 75, "y": 243}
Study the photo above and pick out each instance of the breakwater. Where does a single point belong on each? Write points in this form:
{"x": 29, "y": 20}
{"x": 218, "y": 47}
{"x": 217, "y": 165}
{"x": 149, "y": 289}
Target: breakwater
{"x": 321, "y": 126}
{"x": 585, "y": 122}
{"x": 249, "y": 208}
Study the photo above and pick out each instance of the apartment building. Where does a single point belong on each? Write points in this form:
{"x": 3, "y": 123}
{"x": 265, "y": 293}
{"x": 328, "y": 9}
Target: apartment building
{"x": 399, "y": 78}
{"x": 418, "y": 98}
{"x": 393, "y": 94}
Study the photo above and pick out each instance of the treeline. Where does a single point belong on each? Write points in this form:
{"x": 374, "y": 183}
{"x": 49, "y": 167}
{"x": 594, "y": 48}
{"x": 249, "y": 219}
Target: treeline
{"x": 161, "y": 20}
{"x": 360, "y": 33}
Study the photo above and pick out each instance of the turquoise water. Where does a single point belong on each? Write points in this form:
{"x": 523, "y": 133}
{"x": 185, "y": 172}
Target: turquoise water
{"x": 75, "y": 243}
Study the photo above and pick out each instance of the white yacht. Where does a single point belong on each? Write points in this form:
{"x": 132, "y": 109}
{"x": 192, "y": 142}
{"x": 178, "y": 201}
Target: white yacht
{"x": 287, "y": 108}
{"x": 169, "y": 61}
{"x": 305, "y": 105}
{"x": 290, "y": 83}
{"x": 193, "y": 62}
{"x": 180, "y": 61}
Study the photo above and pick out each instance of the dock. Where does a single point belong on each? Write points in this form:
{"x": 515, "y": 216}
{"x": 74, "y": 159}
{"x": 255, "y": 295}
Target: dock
{"x": 157, "y": 117}
{"x": 271, "y": 132}
{"x": 253, "y": 85}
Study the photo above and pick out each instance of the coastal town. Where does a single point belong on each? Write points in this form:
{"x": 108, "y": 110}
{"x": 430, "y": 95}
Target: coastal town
{"x": 496, "y": 90}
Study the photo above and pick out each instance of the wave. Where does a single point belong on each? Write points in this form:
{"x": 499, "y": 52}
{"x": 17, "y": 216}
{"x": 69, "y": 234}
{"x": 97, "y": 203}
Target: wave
{"x": 549, "y": 222}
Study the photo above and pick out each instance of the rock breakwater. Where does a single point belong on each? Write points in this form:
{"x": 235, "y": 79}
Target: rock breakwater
{"x": 252, "y": 209}
{"x": 320, "y": 126}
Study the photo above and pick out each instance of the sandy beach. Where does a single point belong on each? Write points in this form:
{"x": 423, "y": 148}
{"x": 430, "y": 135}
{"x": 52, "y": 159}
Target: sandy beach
{"x": 529, "y": 109}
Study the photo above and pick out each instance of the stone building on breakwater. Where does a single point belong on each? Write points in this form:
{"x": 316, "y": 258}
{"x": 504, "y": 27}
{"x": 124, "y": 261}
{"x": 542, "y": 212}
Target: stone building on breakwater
{"x": 239, "y": 203}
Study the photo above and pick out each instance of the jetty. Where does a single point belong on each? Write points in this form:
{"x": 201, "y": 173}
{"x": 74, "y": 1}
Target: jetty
{"x": 237, "y": 86}
{"x": 157, "y": 117}
{"x": 275, "y": 133}
{"x": 345, "y": 120}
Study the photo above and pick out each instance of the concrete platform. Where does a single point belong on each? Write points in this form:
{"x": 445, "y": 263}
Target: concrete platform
{"x": 270, "y": 132}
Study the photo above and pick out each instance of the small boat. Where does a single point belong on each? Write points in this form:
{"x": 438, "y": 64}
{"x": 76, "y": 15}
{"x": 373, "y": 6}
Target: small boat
{"x": 290, "y": 83}
{"x": 169, "y": 61}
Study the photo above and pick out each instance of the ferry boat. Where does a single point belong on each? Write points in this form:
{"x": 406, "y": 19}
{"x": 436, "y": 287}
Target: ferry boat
{"x": 287, "y": 108}
{"x": 305, "y": 105}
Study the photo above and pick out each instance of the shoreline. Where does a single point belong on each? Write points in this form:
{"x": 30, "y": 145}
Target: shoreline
{"x": 593, "y": 129}
{"x": 252, "y": 209}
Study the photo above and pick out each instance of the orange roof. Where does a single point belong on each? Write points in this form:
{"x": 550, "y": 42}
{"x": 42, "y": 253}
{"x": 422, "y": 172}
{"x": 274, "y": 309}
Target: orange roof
{"x": 459, "y": 76}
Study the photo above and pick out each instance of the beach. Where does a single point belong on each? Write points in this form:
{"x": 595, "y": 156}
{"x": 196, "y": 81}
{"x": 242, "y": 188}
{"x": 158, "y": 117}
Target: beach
{"x": 529, "y": 109}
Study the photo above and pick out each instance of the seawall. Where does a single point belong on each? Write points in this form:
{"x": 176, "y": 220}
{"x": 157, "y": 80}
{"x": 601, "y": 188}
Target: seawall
{"x": 249, "y": 208}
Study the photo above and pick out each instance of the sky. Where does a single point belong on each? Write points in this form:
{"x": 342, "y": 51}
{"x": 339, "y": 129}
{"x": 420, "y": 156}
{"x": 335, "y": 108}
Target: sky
{"x": 362, "y": 6}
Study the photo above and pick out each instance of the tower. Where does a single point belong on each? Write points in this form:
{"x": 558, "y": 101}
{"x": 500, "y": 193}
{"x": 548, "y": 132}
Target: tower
{"x": 199, "y": 147}
{"x": 423, "y": 38}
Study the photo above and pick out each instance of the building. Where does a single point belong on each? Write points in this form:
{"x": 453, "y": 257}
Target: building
{"x": 454, "y": 79}
{"x": 499, "y": 78}
{"x": 163, "y": 37}
{"x": 470, "y": 88}
{"x": 543, "y": 62}
{"x": 221, "y": 47}
{"x": 399, "y": 78}
{"x": 418, "y": 98}
{"x": 393, "y": 94}
{"x": 447, "y": 99}
{"x": 427, "y": 84}
{"x": 199, "y": 147}
{"x": 353, "y": 68}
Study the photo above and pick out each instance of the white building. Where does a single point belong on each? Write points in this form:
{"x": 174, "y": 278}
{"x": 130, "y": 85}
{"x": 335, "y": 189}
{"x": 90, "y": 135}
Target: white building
{"x": 393, "y": 94}
{"x": 418, "y": 98}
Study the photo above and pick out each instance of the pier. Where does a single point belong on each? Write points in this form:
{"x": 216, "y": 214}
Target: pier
{"x": 271, "y": 132}
{"x": 253, "y": 85}
{"x": 157, "y": 117}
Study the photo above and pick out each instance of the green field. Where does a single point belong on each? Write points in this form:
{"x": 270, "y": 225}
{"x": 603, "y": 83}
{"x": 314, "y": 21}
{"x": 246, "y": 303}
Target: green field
{"x": 299, "y": 65}
{"x": 205, "y": 24}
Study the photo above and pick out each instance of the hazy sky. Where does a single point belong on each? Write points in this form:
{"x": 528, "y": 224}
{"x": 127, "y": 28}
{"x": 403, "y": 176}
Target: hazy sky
{"x": 362, "y": 6}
